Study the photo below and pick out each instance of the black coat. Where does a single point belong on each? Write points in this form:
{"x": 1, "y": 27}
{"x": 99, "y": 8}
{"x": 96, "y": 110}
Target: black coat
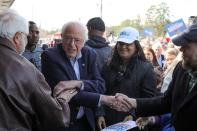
{"x": 177, "y": 100}
{"x": 102, "y": 49}
{"x": 138, "y": 81}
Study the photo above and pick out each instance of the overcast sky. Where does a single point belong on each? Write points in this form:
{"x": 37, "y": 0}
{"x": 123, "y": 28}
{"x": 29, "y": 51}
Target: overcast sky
{"x": 52, "y": 14}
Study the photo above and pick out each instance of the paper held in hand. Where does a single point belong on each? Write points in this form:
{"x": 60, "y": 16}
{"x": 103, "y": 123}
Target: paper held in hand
{"x": 122, "y": 126}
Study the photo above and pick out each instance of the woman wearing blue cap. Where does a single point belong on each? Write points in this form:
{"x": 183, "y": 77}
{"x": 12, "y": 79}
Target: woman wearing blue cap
{"x": 127, "y": 72}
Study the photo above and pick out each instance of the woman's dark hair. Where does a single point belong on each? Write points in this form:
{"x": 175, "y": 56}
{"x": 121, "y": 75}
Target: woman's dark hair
{"x": 116, "y": 59}
{"x": 154, "y": 62}
{"x": 139, "y": 50}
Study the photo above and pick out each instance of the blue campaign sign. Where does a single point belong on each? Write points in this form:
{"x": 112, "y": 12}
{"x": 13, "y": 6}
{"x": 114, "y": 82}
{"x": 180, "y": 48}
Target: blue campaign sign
{"x": 175, "y": 27}
{"x": 148, "y": 32}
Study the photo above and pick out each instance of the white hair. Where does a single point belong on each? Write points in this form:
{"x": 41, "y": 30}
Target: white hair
{"x": 156, "y": 45}
{"x": 82, "y": 26}
{"x": 11, "y": 23}
{"x": 172, "y": 51}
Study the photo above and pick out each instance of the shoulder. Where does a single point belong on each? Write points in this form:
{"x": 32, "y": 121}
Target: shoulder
{"x": 30, "y": 72}
{"x": 88, "y": 55}
{"x": 54, "y": 50}
{"x": 87, "y": 51}
{"x": 144, "y": 64}
{"x": 38, "y": 49}
{"x": 178, "y": 70}
{"x": 51, "y": 53}
{"x": 144, "y": 68}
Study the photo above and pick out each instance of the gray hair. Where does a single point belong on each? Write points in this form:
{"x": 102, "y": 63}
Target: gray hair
{"x": 82, "y": 26}
{"x": 172, "y": 51}
{"x": 11, "y": 23}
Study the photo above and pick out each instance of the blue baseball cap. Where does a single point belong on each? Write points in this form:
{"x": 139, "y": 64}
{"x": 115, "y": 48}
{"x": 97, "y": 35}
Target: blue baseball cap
{"x": 190, "y": 35}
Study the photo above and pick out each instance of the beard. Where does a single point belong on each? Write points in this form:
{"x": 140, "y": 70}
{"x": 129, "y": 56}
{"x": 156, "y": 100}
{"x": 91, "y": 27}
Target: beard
{"x": 185, "y": 64}
{"x": 189, "y": 63}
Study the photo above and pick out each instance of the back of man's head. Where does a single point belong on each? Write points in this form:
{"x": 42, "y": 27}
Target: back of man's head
{"x": 11, "y": 23}
{"x": 96, "y": 23}
{"x": 31, "y": 23}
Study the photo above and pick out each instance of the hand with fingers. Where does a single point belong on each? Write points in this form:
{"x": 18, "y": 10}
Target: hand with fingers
{"x": 62, "y": 86}
{"x": 67, "y": 95}
{"x": 131, "y": 102}
{"x": 128, "y": 118}
{"x": 114, "y": 103}
{"x": 141, "y": 122}
{"x": 121, "y": 105}
{"x": 101, "y": 122}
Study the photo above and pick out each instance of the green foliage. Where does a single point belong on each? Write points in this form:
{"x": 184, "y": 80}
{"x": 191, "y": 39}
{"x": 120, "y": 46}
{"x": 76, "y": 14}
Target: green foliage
{"x": 157, "y": 16}
{"x": 136, "y": 23}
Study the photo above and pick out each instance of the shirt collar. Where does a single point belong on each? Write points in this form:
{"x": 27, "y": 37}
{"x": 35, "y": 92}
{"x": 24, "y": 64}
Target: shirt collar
{"x": 37, "y": 48}
{"x": 192, "y": 74}
{"x": 79, "y": 55}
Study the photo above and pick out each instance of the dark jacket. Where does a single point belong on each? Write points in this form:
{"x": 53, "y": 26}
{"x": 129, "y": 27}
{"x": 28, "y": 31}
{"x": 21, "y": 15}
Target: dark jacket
{"x": 138, "y": 81}
{"x": 177, "y": 100}
{"x": 56, "y": 67}
{"x": 25, "y": 97}
{"x": 102, "y": 48}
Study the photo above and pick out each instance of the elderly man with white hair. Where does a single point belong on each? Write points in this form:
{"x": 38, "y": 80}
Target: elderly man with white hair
{"x": 157, "y": 47}
{"x": 76, "y": 64}
{"x": 25, "y": 97}
{"x": 26, "y": 102}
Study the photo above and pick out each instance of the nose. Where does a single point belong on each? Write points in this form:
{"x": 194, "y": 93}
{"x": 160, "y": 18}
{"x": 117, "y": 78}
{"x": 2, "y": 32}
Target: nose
{"x": 35, "y": 36}
{"x": 72, "y": 42}
{"x": 124, "y": 46}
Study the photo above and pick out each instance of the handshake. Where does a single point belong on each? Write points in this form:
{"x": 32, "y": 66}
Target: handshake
{"x": 119, "y": 102}
{"x": 65, "y": 90}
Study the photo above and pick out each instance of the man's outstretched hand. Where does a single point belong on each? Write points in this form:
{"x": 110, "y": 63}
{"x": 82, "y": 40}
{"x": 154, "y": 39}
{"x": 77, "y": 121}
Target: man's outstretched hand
{"x": 120, "y": 102}
{"x": 62, "y": 86}
{"x": 130, "y": 102}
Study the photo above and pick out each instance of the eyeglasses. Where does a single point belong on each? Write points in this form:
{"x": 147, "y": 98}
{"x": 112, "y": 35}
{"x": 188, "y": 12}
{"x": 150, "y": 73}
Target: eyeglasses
{"x": 72, "y": 40}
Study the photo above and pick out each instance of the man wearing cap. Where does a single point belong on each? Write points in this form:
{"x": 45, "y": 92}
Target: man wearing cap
{"x": 96, "y": 29}
{"x": 181, "y": 97}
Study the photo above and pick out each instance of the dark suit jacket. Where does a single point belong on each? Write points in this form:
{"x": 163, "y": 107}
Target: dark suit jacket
{"x": 177, "y": 100}
{"x": 56, "y": 67}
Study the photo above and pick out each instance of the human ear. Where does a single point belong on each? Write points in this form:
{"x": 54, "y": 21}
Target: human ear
{"x": 16, "y": 39}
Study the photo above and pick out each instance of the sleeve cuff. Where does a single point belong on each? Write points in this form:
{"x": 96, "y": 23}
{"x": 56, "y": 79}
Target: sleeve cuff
{"x": 82, "y": 86}
{"x": 99, "y": 102}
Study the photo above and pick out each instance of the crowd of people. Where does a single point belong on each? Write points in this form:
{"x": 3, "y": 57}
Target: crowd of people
{"x": 83, "y": 84}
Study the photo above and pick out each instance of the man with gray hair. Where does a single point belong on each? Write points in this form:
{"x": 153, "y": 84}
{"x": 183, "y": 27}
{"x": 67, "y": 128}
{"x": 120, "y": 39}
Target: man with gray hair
{"x": 25, "y": 97}
{"x": 75, "y": 64}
